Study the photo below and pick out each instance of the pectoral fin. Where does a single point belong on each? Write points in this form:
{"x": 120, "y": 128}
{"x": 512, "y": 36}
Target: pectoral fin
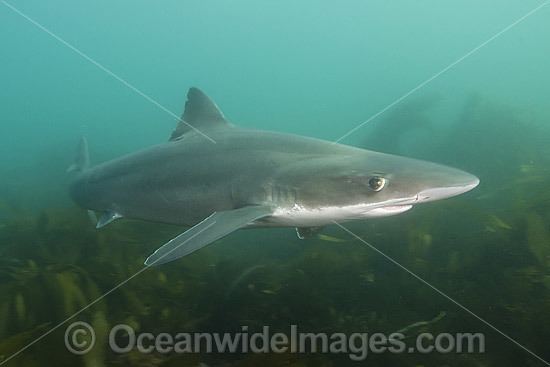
{"x": 209, "y": 230}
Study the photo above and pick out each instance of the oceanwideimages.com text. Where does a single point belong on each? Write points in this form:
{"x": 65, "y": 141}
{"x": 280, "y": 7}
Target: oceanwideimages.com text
{"x": 124, "y": 339}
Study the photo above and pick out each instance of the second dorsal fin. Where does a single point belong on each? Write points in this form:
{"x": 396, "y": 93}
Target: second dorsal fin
{"x": 200, "y": 113}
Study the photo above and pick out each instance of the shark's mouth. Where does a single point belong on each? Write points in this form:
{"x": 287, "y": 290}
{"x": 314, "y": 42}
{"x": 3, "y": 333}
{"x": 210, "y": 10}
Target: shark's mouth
{"x": 391, "y": 207}
{"x": 396, "y": 208}
{"x": 389, "y": 210}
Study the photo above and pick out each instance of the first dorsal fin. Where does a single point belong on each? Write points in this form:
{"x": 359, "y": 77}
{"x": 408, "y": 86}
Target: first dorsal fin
{"x": 200, "y": 108}
{"x": 200, "y": 113}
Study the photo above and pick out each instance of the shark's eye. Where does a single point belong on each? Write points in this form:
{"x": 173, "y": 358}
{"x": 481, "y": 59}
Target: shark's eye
{"x": 377, "y": 183}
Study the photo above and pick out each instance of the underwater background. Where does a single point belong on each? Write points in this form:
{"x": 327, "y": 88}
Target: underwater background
{"x": 314, "y": 68}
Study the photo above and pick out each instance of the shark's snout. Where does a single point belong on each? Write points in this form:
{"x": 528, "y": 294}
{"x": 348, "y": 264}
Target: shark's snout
{"x": 465, "y": 183}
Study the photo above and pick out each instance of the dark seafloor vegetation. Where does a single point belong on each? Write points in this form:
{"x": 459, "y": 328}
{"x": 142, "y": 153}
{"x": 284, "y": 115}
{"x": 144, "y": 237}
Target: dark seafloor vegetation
{"x": 489, "y": 250}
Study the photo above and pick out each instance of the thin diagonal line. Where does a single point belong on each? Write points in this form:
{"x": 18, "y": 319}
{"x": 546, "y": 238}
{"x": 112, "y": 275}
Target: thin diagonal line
{"x": 445, "y": 295}
{"x": 99, "y": 298}
{"x": 437, "y": 75}
{"x": 104, "y": 69}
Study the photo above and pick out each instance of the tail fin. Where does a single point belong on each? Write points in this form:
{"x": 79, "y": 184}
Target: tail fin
{"x": 82, "y": 161}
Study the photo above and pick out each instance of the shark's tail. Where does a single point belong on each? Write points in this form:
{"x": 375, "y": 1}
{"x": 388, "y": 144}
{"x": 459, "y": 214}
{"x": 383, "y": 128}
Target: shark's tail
{"x": 82, "y": 161}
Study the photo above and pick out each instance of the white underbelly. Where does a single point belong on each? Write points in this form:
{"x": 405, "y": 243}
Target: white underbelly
{"x": 299, "y": 216}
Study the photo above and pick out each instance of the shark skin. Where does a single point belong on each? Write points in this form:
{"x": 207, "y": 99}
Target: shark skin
{"x": 252, "y": 178}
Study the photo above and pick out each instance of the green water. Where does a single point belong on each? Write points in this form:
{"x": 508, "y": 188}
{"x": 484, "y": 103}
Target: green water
{"x": 313, "y": 68}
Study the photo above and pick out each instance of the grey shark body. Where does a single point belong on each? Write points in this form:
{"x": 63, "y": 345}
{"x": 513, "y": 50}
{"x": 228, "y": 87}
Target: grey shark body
{"x": 253, "y": 178}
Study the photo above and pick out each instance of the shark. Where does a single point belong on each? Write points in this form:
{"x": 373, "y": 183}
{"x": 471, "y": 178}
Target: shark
{"x": 246, "y": 178}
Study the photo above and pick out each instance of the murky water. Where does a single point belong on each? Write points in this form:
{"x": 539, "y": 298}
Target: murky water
{"x": 464, "y": 84}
